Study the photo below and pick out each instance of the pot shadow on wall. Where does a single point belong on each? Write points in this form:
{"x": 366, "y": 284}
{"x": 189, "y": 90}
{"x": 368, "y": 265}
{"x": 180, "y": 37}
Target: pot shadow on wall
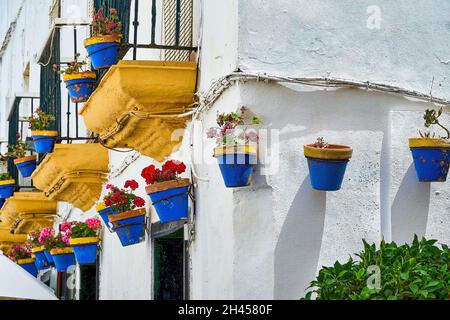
{"x": 409, "y": 211}
{"x": 298, "y": 248}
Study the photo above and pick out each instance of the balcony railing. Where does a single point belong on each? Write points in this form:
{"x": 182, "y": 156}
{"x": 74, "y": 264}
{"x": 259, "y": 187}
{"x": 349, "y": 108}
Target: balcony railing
{"x": 23, "y": 106}
{"x": 176, "y": 21}
{"x": 68, "y": 123}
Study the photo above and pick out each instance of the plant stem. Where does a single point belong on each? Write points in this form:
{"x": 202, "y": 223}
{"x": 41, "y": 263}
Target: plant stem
{"x": 446, "y": 130}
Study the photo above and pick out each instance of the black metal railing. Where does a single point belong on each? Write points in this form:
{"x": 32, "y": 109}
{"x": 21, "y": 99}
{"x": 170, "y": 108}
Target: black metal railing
{"x": 22, "y": 108}
{"x": 124, "y": 10}
{"x": 72, "y": 109}
{"x": 51, "y": 97}
{"x": 50, "y": 89}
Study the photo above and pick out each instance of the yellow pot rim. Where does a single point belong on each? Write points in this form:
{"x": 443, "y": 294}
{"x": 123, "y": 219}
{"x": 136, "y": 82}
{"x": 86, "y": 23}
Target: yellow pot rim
{"x": 334, "y": 151}
{"x": 238, "y": 149}
{"x": 38, "y": 249}
{"x": 25, "y": 261}
{"x": 100, "y": 39}
{"x": 5, "y": 182}
{"x": 429, "y": 143}
{"x": 24, "y": 159}
{"x": 58, "y": 251}
{"x": 47, "y": 133}
{"x": 80, "y": 75}
{"x": 101, "y": 206}
{"x": 78, "y": 241}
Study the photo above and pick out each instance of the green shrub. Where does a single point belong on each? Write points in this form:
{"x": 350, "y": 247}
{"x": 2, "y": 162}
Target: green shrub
{"x": 420, "y": 270}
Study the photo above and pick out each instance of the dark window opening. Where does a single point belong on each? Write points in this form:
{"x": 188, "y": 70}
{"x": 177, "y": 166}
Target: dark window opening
{"x": 169, "y": 261}
{"x": 88, "y": 282}
{"x": 66, "y": 286}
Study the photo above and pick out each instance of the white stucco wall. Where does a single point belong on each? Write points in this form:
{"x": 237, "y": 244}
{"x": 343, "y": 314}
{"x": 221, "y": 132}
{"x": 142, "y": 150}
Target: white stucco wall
{"x": 278, "y": 248}
{"x": 269, "y": 240}
{"x": 394, "y": 42}
{"x": 24, "y": 44}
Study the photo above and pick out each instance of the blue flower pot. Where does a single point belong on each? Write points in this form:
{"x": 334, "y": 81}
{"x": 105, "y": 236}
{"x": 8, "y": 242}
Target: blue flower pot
{"x": 171, "y": 204}
{"x": 236, "y": 168}
{"x": 432, "y": 164}
{"x": 85, "y": 253}
{"x": 80, "y": 85}
{"x": 130, "y": 230}
{"x": 7, "y": 190}
{"x": 103, "y": 54}
{"x": 80, "y": 89}
{"x": 41, "y": 262}
{"x": 104, "y": 213}
{"x": 44, "y": 143}
{"x": 63, "y": 261}
{"x": 26, "y": 168}
{"x": 49, "y": 257}
{"x": 327, "y": 174}
{"x": 30, "y": 268}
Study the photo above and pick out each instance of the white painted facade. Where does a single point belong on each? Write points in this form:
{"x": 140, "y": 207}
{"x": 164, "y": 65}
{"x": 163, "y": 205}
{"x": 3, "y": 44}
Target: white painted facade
{"x": 268, "y": 241}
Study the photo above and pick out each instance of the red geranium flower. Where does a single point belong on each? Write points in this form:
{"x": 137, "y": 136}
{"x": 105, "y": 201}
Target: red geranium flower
{"x": 139, "y": 202}
{"x": 150, "y": 174}
{"x": 170, "y": 171}
{"x": 132, "y": 184}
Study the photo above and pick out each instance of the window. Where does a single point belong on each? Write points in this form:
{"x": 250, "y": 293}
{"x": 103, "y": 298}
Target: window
{"x": 177, "y": 22}
{"x": 169, "y": 263}
{"x": 66, "y": 285}
{"x": 88, "y": 282}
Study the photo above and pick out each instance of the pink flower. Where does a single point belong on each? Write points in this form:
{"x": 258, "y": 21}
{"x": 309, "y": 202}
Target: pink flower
{"x": 67, "y": 226}
{"x": 66, "y": 239}
{"x": 45, "y": 233}
{"x": 93, "y": 223}
{"x": 252, "y": 136}
{"x": 212, "y": 133}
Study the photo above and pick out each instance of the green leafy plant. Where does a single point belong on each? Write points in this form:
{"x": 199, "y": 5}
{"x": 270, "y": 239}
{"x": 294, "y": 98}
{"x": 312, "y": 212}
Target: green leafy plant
{"x": 5, "y": 176}
{"x": 416, "y": 271}
{"x": 87, "y": 229}
{"x": 431, "y": 118}
{"x": 40, "y": 120}
{"x": 19, "y": 150}
{"x": 74, "y": 66}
